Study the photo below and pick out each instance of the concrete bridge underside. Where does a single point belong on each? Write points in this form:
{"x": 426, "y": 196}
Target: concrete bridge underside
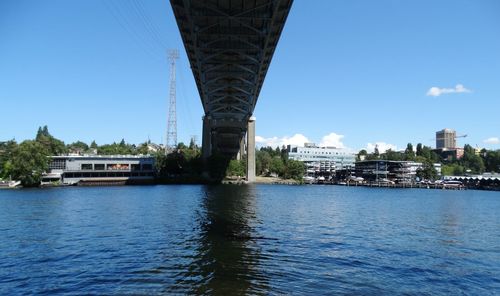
{"x": 230, "y": 44}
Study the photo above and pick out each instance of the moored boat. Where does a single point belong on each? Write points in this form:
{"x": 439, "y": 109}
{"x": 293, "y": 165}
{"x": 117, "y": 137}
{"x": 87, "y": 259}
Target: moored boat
{"x": 10, "y": 184}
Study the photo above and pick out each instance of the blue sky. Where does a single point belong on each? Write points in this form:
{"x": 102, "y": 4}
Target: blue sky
{"x": 345, "y": 73}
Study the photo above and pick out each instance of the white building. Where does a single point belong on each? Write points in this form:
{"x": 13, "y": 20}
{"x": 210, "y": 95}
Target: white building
{"x": 320, "y": 160}
{"x": 72, "y": 169}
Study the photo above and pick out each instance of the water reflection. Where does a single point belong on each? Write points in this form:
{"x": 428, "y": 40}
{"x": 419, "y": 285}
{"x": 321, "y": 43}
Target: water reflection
{"x": 449, "y": 224}
{"x": 227, "y": 257}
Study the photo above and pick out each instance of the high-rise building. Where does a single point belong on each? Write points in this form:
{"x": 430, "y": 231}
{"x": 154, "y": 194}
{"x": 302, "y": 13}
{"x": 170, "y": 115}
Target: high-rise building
{"x": 446, "y": 138}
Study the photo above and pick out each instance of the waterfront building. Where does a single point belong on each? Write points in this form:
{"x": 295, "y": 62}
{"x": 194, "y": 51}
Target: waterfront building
{"x": 446, "y": 138}
{"x": 401, "y": 172}
{"x": 72, "y": 169}
{"x": 322, "y": 160}
{"x": 488, "y": 181}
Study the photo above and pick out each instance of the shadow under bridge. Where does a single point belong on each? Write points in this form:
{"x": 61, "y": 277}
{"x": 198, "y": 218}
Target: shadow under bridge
{"x": 230, "y": 44}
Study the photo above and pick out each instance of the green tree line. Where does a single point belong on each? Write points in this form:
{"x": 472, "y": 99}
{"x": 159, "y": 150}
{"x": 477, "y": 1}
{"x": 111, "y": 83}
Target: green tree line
{"x": 269, "y": 161}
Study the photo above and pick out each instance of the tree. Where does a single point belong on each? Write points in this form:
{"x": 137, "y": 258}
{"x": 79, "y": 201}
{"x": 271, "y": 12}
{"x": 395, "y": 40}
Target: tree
{"x": 29, "y": 162}
{"x": 54, "y": 146}
{"x": 143, "y": 149}
{"x": 6, "y": 151}
{"x": 42, "y": 132}
{"x": 276, "y": 166}
{"x": 409, "y": 153}
{"x": 176, "y": 163}
{"x": 392, "y": 155}
{"x": 361, "y": 155}
{"x": 236, "y": 168}
{"x": 284, "y": 153}
{"x": 419, "y": 149}
{"x": 491, "y": 160}
{"x": 263, "y": 162}
{"x": 294, "y": 170}
{"x": 376, "y": 153}
{"x": 78, "y": 146}
{"x": 192, "y": 144}
{"x": 122, "y": 149}
{"x": 472, "y": 161}
{"x": 425, "y": 153}
{"x": 217, "y": 164}
{"x": 452, "y": 170}
{"x": 427, "y": 172}
{"x": 93, "y": 145}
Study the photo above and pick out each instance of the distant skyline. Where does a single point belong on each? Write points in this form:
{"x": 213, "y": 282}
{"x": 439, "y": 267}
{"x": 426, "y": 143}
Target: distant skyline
{"x": 351, "y": 74}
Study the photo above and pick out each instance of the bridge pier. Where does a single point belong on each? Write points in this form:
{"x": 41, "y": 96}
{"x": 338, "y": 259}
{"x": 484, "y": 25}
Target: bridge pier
{"x": 240, "y": 154}
{"x": 251, "y": 150}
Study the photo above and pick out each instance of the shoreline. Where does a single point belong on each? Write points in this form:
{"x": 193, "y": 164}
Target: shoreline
{"x": 259, "y": 180}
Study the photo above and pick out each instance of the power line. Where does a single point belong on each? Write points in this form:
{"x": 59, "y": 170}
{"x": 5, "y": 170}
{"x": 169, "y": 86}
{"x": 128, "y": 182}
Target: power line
{"x": 152, "y": 26}
{"x": 124, "y": 18}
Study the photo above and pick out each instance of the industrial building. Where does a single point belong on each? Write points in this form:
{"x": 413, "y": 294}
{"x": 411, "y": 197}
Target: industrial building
{"x": 73, "y": 169}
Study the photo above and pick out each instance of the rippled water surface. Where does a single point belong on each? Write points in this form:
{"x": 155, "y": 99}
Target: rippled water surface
{"x": 249, "y": 240}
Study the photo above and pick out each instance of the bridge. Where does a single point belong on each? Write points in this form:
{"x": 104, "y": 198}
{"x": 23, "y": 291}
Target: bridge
{"x": 230, "y": 44}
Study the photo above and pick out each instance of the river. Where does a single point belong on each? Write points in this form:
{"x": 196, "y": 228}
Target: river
{"x": 260, "y": 239}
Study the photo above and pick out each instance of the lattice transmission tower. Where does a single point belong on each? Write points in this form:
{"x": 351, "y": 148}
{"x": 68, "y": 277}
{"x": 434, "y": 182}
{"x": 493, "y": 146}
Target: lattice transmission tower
{"x": 171, "y": 143}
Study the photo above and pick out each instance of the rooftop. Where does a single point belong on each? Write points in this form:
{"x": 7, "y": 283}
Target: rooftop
{"x": 100, "y": 156}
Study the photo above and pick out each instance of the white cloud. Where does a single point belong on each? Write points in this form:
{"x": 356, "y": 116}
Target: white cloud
{"x": 492, "y": 140}
{"x": 382, "y": 147}
{"x": 295, "y": 140}
{"x": 436, "y": 91}
{"x": 332, "y": 140}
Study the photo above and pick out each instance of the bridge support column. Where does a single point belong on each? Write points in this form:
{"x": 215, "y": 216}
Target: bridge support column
{"x": 242, "y": 148}
{"x": 251, "y": 150}
{"x": 206, "y": 142}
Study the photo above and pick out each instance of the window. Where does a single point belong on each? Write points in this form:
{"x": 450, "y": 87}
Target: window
{"x": 58, "y": 164}
{"x": 147, "y": 167}
{"x": 99, "y": 166}
{"x": 136, "y": 167}
{"x": 118, "y": 166}
{"x": 86, "y": 166}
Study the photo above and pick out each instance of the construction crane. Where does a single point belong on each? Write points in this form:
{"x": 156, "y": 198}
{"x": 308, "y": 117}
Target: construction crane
{"x": 447, "y": 140}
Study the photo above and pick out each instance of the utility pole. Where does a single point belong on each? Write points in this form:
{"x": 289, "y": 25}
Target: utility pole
{"x": 171, "y": 143}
